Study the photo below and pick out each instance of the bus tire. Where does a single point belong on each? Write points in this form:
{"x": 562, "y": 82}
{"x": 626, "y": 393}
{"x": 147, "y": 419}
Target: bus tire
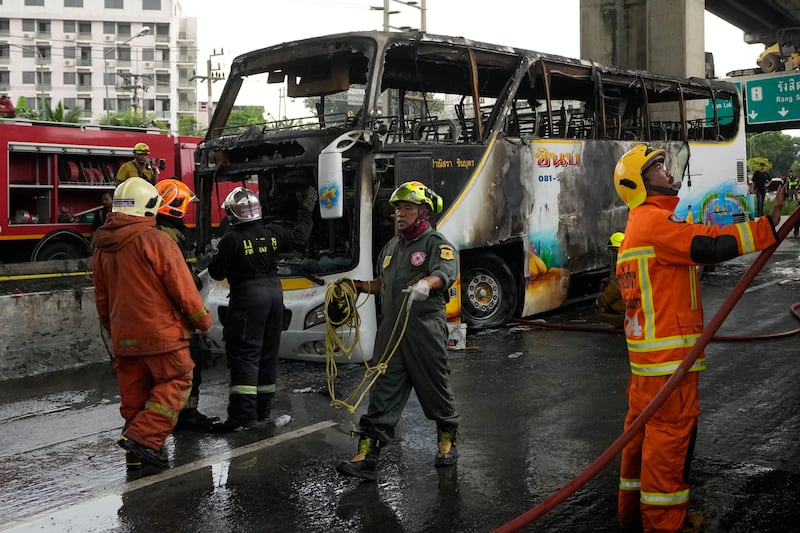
{"x": 488, "y": 291}
{"x": 60, "y": 250}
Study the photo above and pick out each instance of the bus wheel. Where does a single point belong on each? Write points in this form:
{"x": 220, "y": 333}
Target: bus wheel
{"x": 488, "y": 291}
{"x": 59, "y": 250}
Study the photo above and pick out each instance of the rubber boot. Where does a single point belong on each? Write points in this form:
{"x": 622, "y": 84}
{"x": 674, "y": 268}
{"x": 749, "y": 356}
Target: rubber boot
{"x": 365, "y": 463}
{"x": 133, "y": 461}
{"x": 693, "y": 523}
{"x": 264, "y": 406}
{"x": 447, "y": 455}
{"x": 190, "y": 418}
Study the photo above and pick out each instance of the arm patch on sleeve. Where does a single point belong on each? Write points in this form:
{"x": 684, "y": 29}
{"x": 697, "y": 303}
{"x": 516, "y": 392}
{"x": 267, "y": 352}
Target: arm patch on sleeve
{"x": 706, "y": 250}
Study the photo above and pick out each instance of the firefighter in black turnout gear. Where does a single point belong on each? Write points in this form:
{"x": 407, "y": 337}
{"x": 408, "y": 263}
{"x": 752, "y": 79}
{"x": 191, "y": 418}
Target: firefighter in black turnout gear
{"x": 246, "y": 255}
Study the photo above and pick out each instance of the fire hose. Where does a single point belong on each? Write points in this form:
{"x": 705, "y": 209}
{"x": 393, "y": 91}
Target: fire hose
{"x": 638, "y": 425}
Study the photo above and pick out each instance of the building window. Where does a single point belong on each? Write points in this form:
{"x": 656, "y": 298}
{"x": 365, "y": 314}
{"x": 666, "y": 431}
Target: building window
{"x": 154, "y": 5}
{"x": 34, "y": 3}
{"x": 86, "y": 103}
{"x": 5, "y": 26}
{"x": 73, "y": 3}
{"x": 85, "y": 27}
{"x": 28, "y": 51}
{"x": 5, "y": 78}
{"x": 69, "y": 103}
{"x": 70, "y": 78}
{"x": 28, "y": 25}
{"x": 162, "y": 29}
{"x": 114, "y": 4}
{"x": 124, "y": 54}
{"x": 5, "y": 51}
{"x": 84, "y": 80}
{"x": 43, "y": 26}
{"x": 28, "y": 77}
{"x": 109, "y": 27}
{"x": 148, "y": 54}
{"x": 109, "y": 78}
{"x": 70, "y": 26}
{"x": 124, "y": 29}
{"x": 69, "y": 52}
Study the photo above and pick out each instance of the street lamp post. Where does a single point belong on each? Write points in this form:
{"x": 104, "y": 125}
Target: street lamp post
{"x": 144, "y": 31}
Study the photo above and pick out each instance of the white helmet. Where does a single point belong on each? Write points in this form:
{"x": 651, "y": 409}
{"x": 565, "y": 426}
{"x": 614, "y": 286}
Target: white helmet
{"x": 136, "y": 197}
{"x": 242, "y": 205}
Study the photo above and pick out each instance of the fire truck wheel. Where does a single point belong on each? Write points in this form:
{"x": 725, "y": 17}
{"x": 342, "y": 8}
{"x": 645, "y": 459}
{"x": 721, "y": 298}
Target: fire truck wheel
{"x": 488, "y": 291}
{"x": 59, "y": 250}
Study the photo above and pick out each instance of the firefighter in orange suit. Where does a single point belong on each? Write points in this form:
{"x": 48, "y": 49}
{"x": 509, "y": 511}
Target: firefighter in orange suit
{"x": 147, "y": 300}
{"x": 663, "y": 319}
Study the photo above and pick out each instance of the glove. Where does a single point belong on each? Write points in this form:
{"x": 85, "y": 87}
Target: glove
{"x": 203, "y": 260}
{"x": 310, "y": 199}
{"x": 418, "y": 292}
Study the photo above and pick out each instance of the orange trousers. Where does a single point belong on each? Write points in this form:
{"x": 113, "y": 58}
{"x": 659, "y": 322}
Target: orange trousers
{"x": 153, "y": 389}
{"x": 655, "y": 464}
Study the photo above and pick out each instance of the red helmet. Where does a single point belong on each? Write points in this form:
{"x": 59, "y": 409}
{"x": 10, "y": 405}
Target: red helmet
{"x": 176, "y": 197}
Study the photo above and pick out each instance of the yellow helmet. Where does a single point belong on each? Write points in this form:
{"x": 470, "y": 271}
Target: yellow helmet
{"x": 628, "y": 174}
{"x": 135, "y": 196}
{"x": 615, "y": 240}
{"x": 417, "y": 193}
{"x": 141, "y": 148}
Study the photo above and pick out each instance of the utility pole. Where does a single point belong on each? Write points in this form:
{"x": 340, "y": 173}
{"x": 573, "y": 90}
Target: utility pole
{"x": 212, "y": 75}
{"x": 134, "y": 82}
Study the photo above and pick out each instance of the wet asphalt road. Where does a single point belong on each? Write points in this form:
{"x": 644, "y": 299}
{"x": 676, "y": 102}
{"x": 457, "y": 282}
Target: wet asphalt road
{"x": 538, "y": 406}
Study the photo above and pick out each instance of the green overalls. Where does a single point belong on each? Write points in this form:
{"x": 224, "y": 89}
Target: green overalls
{"x": 421, "y": 358}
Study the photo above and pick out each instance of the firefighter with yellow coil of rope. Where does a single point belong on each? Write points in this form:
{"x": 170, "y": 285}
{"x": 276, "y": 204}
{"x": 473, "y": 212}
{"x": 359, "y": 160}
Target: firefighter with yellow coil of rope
{"x": 415, "y": 269}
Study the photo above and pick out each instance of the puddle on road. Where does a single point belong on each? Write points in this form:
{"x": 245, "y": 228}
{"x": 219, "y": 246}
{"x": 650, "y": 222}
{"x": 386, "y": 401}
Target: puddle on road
{"x": 88, "y": 517}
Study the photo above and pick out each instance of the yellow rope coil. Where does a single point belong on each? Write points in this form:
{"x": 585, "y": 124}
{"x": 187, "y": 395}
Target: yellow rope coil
{"x": 342, "y": 295}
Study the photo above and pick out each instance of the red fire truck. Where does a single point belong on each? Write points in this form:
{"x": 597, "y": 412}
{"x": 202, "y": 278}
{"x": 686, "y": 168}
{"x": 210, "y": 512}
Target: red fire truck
{"x": 54, "y": 174}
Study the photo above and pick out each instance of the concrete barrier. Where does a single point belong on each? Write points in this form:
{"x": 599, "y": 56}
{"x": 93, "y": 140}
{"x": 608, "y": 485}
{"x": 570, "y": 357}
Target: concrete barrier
{"x": 49, "y": 331}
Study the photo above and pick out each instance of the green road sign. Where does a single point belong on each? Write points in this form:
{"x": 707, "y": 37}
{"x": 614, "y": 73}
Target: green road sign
{"x": 773, "y": 99}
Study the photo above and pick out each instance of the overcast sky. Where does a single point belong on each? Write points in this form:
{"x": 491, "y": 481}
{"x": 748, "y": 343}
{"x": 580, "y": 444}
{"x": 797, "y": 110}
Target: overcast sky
{"x": 551, "y": 26}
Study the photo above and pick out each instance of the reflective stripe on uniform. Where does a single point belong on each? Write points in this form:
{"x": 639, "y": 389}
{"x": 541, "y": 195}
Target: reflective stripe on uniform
{"x": 243, "y": 389}
{"x": 746, "y": 237}
{"x": 693, "y": 287}
{"x": 664, "y": 498}
{"x": 664, "y": 343}
{"x": 266, "y": 388}
{"x": 665, "y": 369}
{"x": 163, "y": 409}
{"x": 641, "y": 255}
{"x": 629, "y": 484}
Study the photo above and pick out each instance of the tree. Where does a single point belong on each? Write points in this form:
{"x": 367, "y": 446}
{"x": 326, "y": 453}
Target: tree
{"x": 779, "y": 151}
{"x": 187, "y": 125}
{"x": 23, "y": 111}
{"x": 245, "y": 116}
{"x": 58, "y": 114}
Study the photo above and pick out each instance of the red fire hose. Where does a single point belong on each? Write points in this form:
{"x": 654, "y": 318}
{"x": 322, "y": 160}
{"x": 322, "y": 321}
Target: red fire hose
{"x": 638, "y": 425}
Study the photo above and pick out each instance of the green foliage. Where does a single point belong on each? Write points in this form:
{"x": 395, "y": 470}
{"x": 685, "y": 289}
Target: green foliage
{"x": 58, "y": 114}
{"x": 187, "y": 125}
{"x": 776, "y": 150}
{"x": 788, "y": 206}
{"x": 23, "y": 111}
{"x": 245, "y": 116}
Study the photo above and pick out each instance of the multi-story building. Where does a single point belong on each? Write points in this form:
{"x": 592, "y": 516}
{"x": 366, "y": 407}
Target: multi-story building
{"x": 101, "y": 57}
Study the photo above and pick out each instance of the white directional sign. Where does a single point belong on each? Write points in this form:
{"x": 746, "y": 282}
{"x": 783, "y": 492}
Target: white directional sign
{"x": 773, "y": 99}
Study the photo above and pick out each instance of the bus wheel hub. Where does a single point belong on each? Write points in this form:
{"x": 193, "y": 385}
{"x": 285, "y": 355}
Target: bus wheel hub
{"x": 483, "y": 292}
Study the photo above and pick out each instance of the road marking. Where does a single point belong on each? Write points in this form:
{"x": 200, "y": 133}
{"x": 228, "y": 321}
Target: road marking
{"x": 226, "y": 456}
{"x": 74, "y": 513}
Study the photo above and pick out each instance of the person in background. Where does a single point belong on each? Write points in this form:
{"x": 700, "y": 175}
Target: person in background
{"x": 415, "y": 270}
{"x": 6, "y": 107}
{"x": 176, "y": 197}
{"x": 609, "y": 304}
{"x": 139, "y": 166}
{"x": 247, "y": 256}
{"x": 663, "y": 320}
{"x": 148, "y": 303}
{"x": 106, "y": 203}
{"x": 760, "y": 182}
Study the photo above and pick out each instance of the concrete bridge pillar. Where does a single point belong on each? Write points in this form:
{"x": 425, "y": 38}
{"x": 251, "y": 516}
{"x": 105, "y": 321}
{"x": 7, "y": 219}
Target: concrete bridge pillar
{"x": 659, "y": 36}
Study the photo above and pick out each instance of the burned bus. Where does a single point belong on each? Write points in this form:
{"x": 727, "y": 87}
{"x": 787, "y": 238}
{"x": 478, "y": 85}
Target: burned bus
{"x": 521, "y": 146}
